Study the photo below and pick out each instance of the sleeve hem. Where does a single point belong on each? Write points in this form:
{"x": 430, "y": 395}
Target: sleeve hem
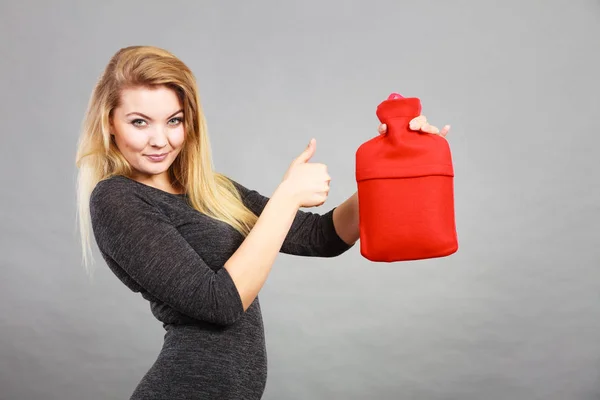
{"x": 336, "y": 244}
{"x": 232, "y": 289}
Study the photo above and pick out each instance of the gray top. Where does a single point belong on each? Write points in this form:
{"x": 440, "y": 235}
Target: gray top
{"x": 173, "y": 255}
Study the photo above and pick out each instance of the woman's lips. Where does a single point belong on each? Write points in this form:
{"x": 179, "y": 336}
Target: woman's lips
{"x": 157, "y": 158}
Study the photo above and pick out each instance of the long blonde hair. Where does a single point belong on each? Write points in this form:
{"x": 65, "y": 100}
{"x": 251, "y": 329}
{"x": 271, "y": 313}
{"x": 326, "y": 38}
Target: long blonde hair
{"x": 98, "y": 157}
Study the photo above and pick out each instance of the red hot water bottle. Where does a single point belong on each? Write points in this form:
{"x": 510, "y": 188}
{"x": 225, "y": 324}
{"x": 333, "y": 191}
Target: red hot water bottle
{"x": 405, "y": 189}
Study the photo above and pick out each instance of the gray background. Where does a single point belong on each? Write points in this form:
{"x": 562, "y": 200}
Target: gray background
{"x": 513, "y": 315}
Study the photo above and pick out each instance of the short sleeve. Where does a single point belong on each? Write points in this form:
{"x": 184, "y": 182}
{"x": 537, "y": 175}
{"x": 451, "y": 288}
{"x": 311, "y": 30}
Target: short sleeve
{"x": 141, "y": 239}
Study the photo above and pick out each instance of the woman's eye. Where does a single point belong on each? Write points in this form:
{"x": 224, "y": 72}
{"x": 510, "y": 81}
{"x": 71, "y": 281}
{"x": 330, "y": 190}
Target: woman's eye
{"x": 138, "y": 122}
{"x": 176, "y": 121}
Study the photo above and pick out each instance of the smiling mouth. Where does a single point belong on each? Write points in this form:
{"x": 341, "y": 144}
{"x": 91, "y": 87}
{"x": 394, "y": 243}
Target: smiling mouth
{"x": 156, "y": 157}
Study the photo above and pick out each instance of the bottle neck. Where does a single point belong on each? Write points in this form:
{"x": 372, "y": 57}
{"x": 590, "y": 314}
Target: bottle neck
{"x": 409, "y": 107}
{"x": 397, "y": 114}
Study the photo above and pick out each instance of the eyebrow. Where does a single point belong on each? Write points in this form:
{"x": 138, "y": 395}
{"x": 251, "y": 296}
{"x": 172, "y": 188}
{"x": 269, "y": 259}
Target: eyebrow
{"x": 147, "y": 117}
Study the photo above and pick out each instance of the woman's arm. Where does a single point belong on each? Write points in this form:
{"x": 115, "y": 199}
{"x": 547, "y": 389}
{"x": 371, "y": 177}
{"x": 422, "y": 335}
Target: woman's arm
{"x": 311, "y": 234}
{"x": 345, "y": 220}
{"x": 139, "y": 240}
{"x": 251, "y": 263}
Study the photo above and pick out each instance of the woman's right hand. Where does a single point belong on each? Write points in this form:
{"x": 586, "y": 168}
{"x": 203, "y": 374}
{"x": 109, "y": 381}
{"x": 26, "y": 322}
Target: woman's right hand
{"x": 307, "y": 183}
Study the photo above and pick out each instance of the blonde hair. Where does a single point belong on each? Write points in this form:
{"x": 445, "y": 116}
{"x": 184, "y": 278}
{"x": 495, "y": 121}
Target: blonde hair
{"x": 98, "y": 157}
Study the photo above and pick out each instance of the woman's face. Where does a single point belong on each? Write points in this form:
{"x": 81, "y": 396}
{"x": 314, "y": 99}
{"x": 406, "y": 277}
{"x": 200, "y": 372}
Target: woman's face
{"x": 149, "y": 122}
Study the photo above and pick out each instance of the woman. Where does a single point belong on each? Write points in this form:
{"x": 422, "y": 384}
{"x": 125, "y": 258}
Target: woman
{"x": 194, "y": 243}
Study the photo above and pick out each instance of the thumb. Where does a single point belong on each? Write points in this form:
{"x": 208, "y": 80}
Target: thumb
{"x": 308, "y": 152}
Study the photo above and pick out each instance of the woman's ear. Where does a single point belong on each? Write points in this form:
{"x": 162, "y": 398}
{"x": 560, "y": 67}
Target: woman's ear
{"x": 111, "y": 126}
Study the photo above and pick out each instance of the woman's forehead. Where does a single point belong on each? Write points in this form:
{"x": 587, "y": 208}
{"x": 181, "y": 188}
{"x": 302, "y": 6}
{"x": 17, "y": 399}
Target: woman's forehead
{"x": 155, "y": 102}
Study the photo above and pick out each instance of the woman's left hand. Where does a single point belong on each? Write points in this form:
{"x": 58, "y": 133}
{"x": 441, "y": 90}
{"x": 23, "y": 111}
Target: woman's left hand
{"x": 420, "y": 124}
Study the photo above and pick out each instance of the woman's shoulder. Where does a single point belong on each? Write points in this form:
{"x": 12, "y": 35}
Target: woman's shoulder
{"x": 118, "y": 194}
{"x": 116, "y": 203}
{"x": 111, "y": 188}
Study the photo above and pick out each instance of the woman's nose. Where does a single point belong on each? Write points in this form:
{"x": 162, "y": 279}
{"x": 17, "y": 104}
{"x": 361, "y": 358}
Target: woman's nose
{"x": 158, "y": 137}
